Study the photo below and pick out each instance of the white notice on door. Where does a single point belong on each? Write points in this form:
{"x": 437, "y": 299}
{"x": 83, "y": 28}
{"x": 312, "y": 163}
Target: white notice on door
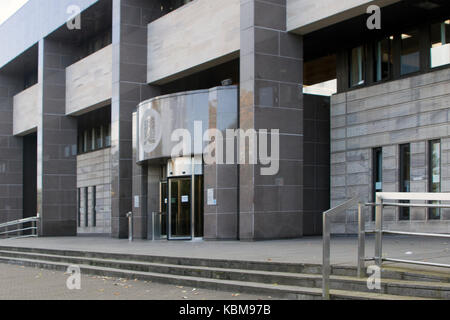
{"x": 184, "y": 199}
{"x": 136, "y": 201}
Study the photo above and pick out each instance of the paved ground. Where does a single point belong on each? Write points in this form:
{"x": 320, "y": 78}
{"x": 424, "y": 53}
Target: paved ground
{"x": 18, "y": 282}
{"x": 306, "y": 250}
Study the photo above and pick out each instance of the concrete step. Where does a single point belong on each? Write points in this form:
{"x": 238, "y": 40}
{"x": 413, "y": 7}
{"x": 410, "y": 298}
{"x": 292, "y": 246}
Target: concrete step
{"x": 399, "y": 287}
{"x": 264, "y": 289}
{"x": 398, "y": 273}
{"x": 189, "y": 261}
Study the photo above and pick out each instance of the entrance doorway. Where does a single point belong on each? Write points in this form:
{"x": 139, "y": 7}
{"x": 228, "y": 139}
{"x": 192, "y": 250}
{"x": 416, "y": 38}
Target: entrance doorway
{"x": 182, "y": 207}
{"x": 30, "y": 175}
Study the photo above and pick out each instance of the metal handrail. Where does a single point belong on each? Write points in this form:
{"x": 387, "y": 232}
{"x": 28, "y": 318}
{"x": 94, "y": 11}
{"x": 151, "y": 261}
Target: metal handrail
{"x": 379, "y": 231}
{"x": 20, "y": 228}
{"x": 326, "y": 267}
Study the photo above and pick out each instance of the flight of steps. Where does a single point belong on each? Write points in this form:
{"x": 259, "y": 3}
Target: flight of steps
{"x": 279, "y": 280}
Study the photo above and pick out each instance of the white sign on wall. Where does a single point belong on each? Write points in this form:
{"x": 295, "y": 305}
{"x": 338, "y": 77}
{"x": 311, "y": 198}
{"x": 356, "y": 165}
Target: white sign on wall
{"x": 211, "y": 200}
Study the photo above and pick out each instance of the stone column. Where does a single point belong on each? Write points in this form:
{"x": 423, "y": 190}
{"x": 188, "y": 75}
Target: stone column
{"x": 220, "y": 218}
{"x": 11, "y": 187}
{"x": 271, "y": 78}
{"x": 56, "y": 144}
{"x": 139, "y": 190}
{"x": 419, "y": 176}
{"x": 316, "y": 170}
{"x": 129, "y": 40}
{"x": 390, "y": 178}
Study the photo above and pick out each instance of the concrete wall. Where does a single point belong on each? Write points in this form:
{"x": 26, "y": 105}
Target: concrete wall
{"x": 196, "y": 36}
{"x": 89, "y": 82}
{"x": 26, "y": 110}
{"x": 412, "y": 110}
{"x": 304, "y": 16}
{"x": 35, "y": 20}
{"x": 93, "y": 169}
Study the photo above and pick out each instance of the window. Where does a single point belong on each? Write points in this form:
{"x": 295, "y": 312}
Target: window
{"x": 383, "y": 59}
{"x": 79, "y": 207}
{"x": 87, "y": 141}
{"x": 440, "y": 44}
{"x": 410, "y": 54}
{"x": 98, "y": 137}
{"x": 81, "y": 142}
{"x": 94, "y": 139}
{"x": 86, "y": 207}
{"x": 94, "y": 130}
{"x": 94, "y": 206}
{"x": 405, "y": 174}
{"x": 377, "y": 175}
{"x": 435, "y": 176}
{"x": 396, "y": 55}
{"x": 107, "y": 135}
{"x": 357, "y": 66}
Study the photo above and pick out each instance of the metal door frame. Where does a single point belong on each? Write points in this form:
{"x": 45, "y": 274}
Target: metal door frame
{"x": 166, "y": 182}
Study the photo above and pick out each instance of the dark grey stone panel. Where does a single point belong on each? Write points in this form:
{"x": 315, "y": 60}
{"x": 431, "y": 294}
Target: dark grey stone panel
{"x": 271, "y": 98}
{"x": 11, "y": 151}
{"x": 130, "y": 19}
{"x": 56, "y": 146}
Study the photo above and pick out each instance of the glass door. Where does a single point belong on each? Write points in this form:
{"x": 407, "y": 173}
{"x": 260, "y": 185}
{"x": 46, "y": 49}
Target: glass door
{"x": 180, "y": 208}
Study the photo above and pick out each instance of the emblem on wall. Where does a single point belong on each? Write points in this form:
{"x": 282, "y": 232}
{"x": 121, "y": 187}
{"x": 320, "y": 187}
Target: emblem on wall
{"x": 150, "y": 135}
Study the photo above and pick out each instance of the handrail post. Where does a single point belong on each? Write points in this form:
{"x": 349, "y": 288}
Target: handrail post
{"x": 361, "y": 241}
{"x": 378, "y": 231}
{"x": 326, "y": 258}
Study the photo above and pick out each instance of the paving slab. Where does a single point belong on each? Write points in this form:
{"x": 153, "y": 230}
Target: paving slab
{"x": 27, "y": 283}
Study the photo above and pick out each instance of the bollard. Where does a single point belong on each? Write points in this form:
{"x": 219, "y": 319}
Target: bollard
{"x": 130, "y": 226}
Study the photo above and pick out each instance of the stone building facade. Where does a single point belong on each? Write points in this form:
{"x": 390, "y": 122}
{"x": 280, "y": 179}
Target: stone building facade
{"x": 89, "y": 103}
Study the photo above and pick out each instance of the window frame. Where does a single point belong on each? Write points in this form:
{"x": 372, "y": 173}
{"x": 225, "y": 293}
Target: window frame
{"x": 401, "y": 180}
{"x": 375, "y": 166}
{"x": 362, "y": 64}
